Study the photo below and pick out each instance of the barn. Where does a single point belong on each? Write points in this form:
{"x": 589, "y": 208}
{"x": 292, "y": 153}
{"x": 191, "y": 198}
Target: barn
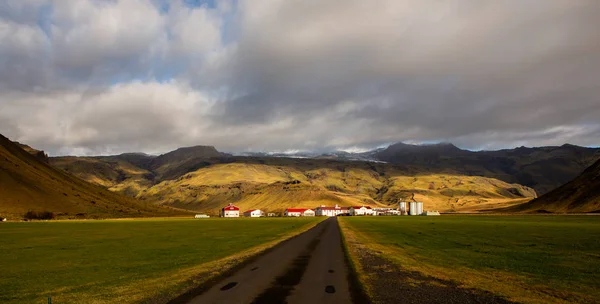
{"x": 254, "y": 213}
{"x": 299, "y": 212}
{"x": 230, "y": 211}
{"x": 360, "y": 210}
{"x": 332, "y": 211}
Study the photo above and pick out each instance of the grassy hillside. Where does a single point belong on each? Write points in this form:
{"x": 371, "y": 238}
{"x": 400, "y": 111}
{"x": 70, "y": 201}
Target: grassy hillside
{"x": 274, "y": 184}
{"x": 582, "y": 194}
{"x": 113, "y": 173}
{"x": 543, "y": 168}
{"x": 26, "y": 183}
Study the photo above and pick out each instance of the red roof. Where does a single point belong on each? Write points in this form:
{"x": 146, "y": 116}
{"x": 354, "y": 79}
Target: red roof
{"x": 247, "y": 211}
{"x": 297, "y": 209}
{"x": 231, "y": 208}
{"x": 358, "y": 207}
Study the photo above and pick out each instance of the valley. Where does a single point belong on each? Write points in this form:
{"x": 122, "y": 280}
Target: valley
{"x": 442, "y": 176}
{"x": 206, "y": 184}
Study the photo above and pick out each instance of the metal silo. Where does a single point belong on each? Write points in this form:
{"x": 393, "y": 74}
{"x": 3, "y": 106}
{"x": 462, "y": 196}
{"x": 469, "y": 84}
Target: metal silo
{"x": 402, "y": 208}
{"x": 413, "y": 208}
{"x": 419, "y": 208}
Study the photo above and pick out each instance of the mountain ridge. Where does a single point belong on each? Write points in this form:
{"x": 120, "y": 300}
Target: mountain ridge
{"x": 582, "y": 194}
{"x": 442, "y": 175}
{"x": 29, "y": 184}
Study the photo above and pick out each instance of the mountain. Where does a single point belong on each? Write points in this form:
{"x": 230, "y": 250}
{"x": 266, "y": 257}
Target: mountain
{"x": 40, "y": 155}
{"x": 443, "y": 176}
{"x": 543, "y": 168}
{"x": 582, "y": 194}
{"x": 185, "y": 154}
{"x": 278, "y": 183}
{"x": 29, "y": 184}
{"x": 275, "y": 183}
{"x": 174, "y": 163}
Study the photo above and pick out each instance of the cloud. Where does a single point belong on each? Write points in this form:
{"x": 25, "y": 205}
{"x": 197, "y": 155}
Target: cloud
{"x": 114, "y": 76}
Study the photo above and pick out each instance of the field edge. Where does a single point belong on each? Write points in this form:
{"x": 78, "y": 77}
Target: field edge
{"x": 503, "y": 284}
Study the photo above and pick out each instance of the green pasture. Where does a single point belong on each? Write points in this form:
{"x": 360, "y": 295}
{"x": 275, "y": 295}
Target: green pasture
{"x": 559, "y": 253}
{"x": 89, "y": 260}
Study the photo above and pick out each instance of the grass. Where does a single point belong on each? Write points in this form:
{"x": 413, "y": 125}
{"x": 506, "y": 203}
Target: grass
{"x": 526, "y": 258}
{"x": 126, "y": 261}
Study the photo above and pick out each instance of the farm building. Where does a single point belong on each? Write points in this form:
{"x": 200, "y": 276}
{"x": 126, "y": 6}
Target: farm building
{"x": 254, "y": 213}
{"x": 360, "y": 210}
{"x": 331, "y": 211}
{"x": 299, "y": 212}
{"x": 431, "y": 213}
{"x": 271, "y": 214}
{"x": 201, "y": 216}
{"x": 386, "y": 211}
{"x": 230, "y": 211}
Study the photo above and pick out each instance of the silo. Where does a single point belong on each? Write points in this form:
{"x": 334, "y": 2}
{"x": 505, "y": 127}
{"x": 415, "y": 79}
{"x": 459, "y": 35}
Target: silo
{"x": 419, "y": 208}
{"x": 402, "y": 208}
{"x": 413, "y": 208}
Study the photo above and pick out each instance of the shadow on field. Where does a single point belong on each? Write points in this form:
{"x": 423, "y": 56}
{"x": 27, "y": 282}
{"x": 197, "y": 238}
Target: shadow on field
{"x": 391, "y": 284}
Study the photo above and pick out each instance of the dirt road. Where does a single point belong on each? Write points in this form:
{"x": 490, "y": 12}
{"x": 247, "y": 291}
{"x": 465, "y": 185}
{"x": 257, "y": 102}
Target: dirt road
{"x": 309, "y": 268}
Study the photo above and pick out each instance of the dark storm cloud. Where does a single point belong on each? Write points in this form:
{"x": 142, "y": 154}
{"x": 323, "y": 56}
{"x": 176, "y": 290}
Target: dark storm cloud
{"x": 448, "y": 70}
{"x": 308, "y": 75}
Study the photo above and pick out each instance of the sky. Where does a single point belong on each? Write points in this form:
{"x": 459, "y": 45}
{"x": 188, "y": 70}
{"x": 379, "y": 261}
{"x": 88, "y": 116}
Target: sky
{"x": 98, "y": 77}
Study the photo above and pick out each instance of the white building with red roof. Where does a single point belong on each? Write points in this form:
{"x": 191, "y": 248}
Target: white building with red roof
{"x": 230, "y": 211}
{"x": 254, "y": 213}
{"x": 360, "y": 210}
{"x": 331, "y": 211}
{"x": 299, "y": 212}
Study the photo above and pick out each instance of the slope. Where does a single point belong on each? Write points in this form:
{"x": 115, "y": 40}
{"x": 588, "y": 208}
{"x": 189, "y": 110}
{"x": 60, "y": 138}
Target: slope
{"x": 279, "y": 183}
{"x": 582, "y": 194}
{"x": 543, "y": 168}
{"x": 26, "y": 184}
{"x": 197, "y": 180}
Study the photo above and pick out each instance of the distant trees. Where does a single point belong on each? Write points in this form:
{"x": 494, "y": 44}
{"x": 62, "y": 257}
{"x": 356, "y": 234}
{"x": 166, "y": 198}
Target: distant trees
{"x": 42, "y": 215}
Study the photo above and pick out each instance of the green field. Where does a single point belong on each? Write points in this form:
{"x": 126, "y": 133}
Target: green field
{"x": 555, "y": 258}
{"x": 123, "y": 260}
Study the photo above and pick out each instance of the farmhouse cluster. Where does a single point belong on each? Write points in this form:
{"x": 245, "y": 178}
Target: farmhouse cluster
{"x": 404, "y": 208}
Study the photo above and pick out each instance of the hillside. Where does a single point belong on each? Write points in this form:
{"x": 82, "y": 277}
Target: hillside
{"x": 40, "y": 155}
{"x": 543, "y": 168}
{"x": 26, "y": 183}
{"x": 582, "y": 194}
{"x": 275, "y": 183}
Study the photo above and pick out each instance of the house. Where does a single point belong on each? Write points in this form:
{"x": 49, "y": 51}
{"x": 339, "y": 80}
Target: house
{"x": 386, "y": 211}
{"x": 360, "y": 210}
{"x": 201, "y": 216}
{"x": 230, "y": 211}
{"x": 299, "y": 212}
{"x": 270, "y": 214}
{"x": 254, "y": 213}
{"x": 332, "y": 211}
